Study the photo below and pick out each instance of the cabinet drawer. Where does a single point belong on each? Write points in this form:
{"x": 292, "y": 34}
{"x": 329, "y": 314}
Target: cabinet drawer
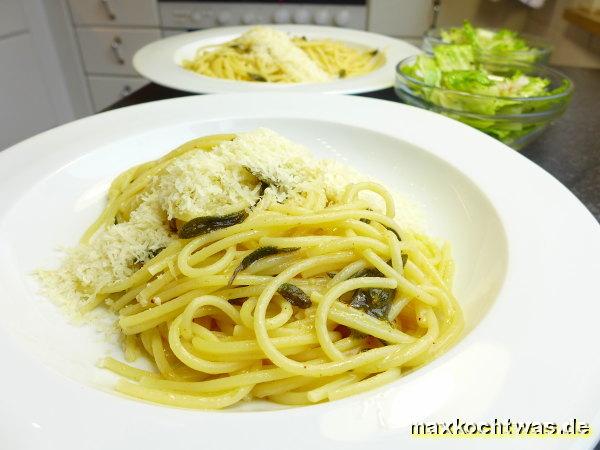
{"x": 115, "y": 12}
{"x": 12, "y": 17}
{"x": 110, "y": 50}
{"x": 108, "y": 90}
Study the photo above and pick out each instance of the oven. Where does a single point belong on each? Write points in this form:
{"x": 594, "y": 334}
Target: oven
{"x": 402, "y": 18}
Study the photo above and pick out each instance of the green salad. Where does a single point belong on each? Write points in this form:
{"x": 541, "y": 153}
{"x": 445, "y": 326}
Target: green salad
{"x": 452, "y": 78}
{"x": 490, "y": 43}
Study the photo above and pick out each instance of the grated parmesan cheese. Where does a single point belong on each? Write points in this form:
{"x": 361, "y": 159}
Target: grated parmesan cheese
{"x": 198, "y": 183}
{"x": 289, "y": 166}
{"x": 221, "y": 181}
{"x": 109, "y": 256}
{"x": 202, "y": 184}
{"x": 274, "y": 46}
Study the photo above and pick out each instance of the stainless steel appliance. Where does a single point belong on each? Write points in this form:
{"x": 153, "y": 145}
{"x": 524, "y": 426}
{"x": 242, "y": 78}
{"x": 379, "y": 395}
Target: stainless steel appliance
{"x": 207, "y": 14}
{"x": 404, "y": 18}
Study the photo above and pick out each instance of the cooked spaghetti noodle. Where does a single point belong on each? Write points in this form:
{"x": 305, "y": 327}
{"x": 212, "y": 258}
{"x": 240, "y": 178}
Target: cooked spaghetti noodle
{"x": 267, "y": 55}
{"x": 299, "y": 300}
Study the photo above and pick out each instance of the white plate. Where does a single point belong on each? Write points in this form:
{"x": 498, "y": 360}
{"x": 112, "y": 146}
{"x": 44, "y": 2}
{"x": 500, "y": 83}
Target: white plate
{"x": 526, "y": 251}
{"x": 160, "y": 61}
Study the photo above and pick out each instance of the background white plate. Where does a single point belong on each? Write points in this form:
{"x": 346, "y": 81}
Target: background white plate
{"x": 526, "y": 251}
{"x": 160, "y": 61}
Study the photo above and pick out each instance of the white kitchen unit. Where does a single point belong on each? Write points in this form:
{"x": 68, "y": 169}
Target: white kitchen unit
{"x": 109, "y": 51}
{"x": 65, "y": 59}
{"x": 27, "y": 84}
{"x": 109, "y": 32}
{"x": 143, "y": 13}
{"x": 108, "y": 90}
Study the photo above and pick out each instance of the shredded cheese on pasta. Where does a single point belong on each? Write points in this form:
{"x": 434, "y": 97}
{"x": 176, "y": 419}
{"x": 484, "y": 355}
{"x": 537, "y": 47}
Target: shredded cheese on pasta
{"x": 292, "y": 284}
{"x": 265, "y": 54}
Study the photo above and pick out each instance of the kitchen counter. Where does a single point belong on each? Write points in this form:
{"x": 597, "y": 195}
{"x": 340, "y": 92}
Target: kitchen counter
{"x": 569, "y": 149}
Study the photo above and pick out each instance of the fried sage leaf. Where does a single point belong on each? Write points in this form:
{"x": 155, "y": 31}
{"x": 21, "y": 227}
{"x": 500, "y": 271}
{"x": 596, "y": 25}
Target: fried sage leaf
{"x": 203, "y": 225}
{"x": 260, "y": 177}
{"x": 368, "y": 272}
{"x": 368, "y": 221}
{"x": 376, "y": 302}
{"x": 395, "y": 232}
{"x": 239, "y": 48}
{"x": 257, "y": 254}
{"x": 294, "y": 295}
{"x": 264, "y": 183}
{"x": 256, "y": 77}
{"x": 155, "y": 252}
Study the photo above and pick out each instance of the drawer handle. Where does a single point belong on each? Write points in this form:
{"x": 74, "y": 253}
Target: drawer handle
{"x": 125, "y": 91}
{"x": 109, "y": 11}
{"x": 115, "y": 46}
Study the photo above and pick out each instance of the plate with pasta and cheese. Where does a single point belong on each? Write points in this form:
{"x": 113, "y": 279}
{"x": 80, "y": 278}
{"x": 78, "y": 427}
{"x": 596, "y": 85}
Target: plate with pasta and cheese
{"x": 296, "y": 58}
{"x": 186, "y": 268}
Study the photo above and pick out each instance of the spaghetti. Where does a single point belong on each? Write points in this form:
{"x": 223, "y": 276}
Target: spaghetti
{"x": 300, "y": 301}
{"x": 267, "y": 55}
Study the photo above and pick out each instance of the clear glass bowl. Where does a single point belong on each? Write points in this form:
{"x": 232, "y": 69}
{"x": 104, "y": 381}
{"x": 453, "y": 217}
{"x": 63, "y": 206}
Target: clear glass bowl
{"x": 515, "y": 124}
{"x": 539, "y": 52}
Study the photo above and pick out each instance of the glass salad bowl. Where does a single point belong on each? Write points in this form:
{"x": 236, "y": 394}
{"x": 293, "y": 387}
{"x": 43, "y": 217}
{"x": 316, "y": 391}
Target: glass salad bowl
{"x": 493, "y": 44}
{"x": 514, "y": 120}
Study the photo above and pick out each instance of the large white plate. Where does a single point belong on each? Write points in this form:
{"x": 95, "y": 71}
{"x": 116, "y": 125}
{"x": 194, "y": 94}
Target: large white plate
{"x": 160, "y": 61}
{"x": 526, "y": 251}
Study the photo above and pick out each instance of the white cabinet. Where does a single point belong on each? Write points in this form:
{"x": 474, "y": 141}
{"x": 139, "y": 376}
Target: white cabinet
{"x": 115, "y": 12}
{"x": 109, "y": 33}
{"x": 12, "y": 17}
{"x": 108, "y": 90}
{"x": 110, "y": 50}
{"x": 25, "y": 105}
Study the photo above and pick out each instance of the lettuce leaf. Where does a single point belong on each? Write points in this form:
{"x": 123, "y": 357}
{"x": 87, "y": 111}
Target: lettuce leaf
{"x": 463, "y": 35}
{"x": 454, "y": 57}
{"x": 485, "y": 41}
{"x": 425, "y": 69}
{"x": 457, "y": 81}
{"x": 454, "y": 68}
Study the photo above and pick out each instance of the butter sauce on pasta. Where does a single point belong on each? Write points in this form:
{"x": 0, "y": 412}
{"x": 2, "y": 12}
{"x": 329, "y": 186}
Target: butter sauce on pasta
{"x": 377, "y": 298}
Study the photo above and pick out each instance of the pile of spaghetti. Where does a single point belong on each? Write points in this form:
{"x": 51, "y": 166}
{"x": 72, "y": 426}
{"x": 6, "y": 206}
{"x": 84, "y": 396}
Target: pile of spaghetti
{"x": 267, "y": 55}
{"x": 299, "y": 289}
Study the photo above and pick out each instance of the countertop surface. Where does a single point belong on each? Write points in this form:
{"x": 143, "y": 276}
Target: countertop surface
{"x": 569, "y": 149}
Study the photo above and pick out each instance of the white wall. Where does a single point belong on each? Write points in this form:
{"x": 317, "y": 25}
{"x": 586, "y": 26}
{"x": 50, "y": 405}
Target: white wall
{"x": 34, "y": 93}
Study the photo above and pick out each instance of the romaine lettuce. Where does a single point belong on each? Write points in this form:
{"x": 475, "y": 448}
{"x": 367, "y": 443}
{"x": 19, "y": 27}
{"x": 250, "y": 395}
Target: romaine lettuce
{"x": 454, "y": 57}
{"x": 454, "y": 80}
{"x": 486, "y": 41}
